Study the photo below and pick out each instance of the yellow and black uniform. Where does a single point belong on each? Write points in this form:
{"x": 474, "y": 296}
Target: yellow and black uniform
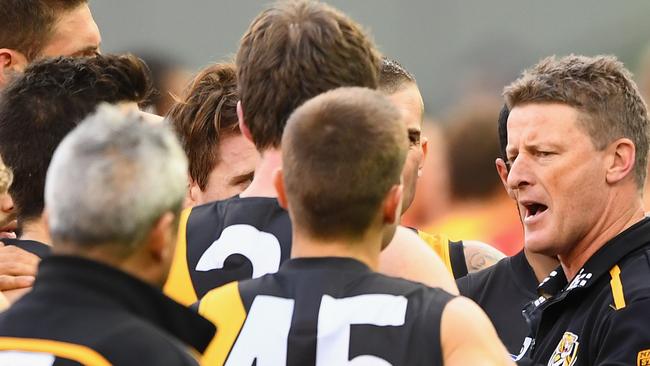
{"x": 225, "y": 241}
{"x": 600, "y": 317}
{"x": 325, "y": 311}
{"x": 242, "y": 238}
{"x": 37, "y": 248}
{"x": 452, "y": 253}
{"x": 82, "y": 312}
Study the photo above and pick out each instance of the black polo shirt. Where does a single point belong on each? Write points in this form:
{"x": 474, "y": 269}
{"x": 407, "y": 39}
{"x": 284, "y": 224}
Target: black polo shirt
{"x": 81, "y": 312}
{"x": 502, "y": 291}
{"x": 601, "y": 317}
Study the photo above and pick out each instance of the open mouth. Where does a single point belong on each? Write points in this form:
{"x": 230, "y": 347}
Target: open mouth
{"x": 534, "y": 210}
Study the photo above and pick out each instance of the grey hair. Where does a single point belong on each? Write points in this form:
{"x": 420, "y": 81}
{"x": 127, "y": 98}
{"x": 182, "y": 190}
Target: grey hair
{"x": 112, "y": 178}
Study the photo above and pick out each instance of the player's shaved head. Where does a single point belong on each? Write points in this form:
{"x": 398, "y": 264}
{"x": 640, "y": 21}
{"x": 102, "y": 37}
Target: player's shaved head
{"x": 342, "y": 153}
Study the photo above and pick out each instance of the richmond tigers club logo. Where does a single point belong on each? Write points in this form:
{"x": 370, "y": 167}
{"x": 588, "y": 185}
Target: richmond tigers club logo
{"x": 566, "y": 352}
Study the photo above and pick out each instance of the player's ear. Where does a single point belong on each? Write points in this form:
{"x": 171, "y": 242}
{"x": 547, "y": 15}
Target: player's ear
{"x": 193, "y": 193}
{"x": 242, "y": 124}
{"x": 11, "y": 61}
{"x": 392, "y": 207}
{"x": 278, "y": 182}
{"x": 161, "y": 238}
{"x": 424, "y": 143}
{"x": 502, "y": 170}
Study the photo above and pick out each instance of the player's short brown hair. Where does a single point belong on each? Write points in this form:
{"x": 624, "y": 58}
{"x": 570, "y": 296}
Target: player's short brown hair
{"x": 292, "y": 52}
{"x": 207, "y": 112}
{"x": 27, "y": 25}
{"x": 342, "y": 151}
{"x": 599, "y": 87}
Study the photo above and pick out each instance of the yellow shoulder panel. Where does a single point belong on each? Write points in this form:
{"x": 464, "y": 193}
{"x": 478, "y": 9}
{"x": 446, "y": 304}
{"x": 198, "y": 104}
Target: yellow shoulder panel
{"x": 617, "y": 287}
{"x": 440, "y": 244}
{"x": 179, "y": 283}
{"x": 74, "y": 352}
{"x": 225, "y": 309}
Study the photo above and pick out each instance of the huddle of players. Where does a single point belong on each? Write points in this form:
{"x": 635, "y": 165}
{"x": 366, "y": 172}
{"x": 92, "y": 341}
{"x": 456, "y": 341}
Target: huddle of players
{"x": 327, "y": 304}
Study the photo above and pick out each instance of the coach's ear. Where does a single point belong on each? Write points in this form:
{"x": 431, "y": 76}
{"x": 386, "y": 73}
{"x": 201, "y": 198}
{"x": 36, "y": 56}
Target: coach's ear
{"x": 392, "y": 207}
{"x": 242, "y": 124}
{"x": 11, "y": 61}
{"x": 278, "y": 182}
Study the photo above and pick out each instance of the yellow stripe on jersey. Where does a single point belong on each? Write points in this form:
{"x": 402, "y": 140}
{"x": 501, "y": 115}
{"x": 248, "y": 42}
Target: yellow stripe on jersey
{"x": 179, "y": 283}
{"x": 74, "y": 352}
{"x": 440, "y": 244}
{"x": 617, "y": 287}
{"x": 225, "y": 309}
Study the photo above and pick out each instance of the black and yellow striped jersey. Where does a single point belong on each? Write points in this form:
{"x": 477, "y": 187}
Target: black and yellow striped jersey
{"x": 325, "y": 311}
{"x": 242, "y": 238}
{"x": 452, "y": 253}
{"x": 81, "y": 312}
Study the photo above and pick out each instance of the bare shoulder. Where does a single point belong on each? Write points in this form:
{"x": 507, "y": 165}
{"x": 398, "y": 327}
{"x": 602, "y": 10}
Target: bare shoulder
{"x": 409, "y": 257}
{"x": 479, "y": 255}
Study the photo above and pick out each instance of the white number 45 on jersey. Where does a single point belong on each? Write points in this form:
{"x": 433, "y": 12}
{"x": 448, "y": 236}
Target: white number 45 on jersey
{"x": 270, "y": 314}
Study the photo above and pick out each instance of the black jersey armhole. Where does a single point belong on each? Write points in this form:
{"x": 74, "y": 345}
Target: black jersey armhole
{"x": 457, "y": 259}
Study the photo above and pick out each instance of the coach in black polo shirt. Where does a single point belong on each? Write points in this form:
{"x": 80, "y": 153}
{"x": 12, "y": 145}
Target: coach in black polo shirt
{"x": 577, "y": 151}
{"x": 113, "y": 194}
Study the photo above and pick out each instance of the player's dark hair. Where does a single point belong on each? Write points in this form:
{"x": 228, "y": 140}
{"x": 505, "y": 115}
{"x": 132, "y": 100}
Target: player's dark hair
{"x": 393, "y": 76}
{"x": 40, "y": 107}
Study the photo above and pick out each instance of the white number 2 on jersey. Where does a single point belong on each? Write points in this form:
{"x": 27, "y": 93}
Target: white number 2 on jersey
{"x": 262, "y": 249}
{"x": 265, "y": 332}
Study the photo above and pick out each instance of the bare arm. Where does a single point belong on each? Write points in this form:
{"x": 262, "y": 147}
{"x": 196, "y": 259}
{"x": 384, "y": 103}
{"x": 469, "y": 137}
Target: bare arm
{"x": 408, "y": 257}
{"x": 468, "y": 338}
{"x": 479, "y": 255}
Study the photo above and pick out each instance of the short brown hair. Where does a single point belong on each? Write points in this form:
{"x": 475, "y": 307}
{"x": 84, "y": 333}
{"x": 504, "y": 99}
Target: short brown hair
{"x": 206, "y": 113}
{"x": 336, "y": 178}
{"x": 601, "y": 88}
{"x": 393, "y": 76}
{"x": 27, "y": 25}
{"x": 292, "y": 52}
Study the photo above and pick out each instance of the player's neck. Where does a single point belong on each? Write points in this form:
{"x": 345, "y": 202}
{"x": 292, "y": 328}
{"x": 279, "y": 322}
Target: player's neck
{"x": 366, "y": 250}
{"x": 541, "y": 264}
{"x": 36, "y": 230}
{"x": 262, "y": 184}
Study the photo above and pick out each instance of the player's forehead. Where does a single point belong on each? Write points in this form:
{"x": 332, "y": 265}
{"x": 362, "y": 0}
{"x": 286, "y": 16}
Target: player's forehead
{"x": 75, "y": 34}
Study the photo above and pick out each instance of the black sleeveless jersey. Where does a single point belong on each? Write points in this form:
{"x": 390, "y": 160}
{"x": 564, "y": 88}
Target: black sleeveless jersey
{"x": 224, "y": 241}
{"x": 243, "y": 238}
{"x": 325, "y": 311}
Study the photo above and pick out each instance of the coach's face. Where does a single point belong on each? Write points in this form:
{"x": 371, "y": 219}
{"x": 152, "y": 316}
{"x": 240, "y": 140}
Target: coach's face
{"x": 409, "y": 103}
{"x": 557, "y": 176}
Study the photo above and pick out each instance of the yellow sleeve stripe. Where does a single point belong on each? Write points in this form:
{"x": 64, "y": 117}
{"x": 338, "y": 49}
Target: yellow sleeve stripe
{"x": 617, "y": 287}
{"x": 225, "y": 309}
{"x": 179, "y": 283}
{"x": 74, "y": 352}
{"x": 440, "y": 244}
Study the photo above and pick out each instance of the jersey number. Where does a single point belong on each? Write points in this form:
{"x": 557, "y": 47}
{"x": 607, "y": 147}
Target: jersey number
{"x": 260, "y": 248}
{"x": 265, "y": 332}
